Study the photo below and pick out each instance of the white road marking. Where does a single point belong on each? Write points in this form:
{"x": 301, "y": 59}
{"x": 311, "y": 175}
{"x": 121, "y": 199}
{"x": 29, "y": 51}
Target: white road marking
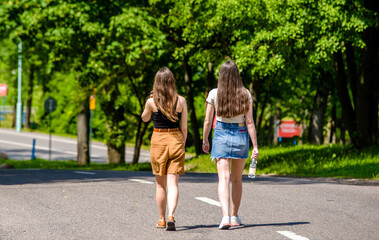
{"x": 208, "y": 200}
{"x": 55, "y": 139}
{"x": 37, "y": 147}
{"x": 141, "y": 181}
{"x": 89, "y": 173}
{"x": 41, "y": 148}
{"x": 292, "y": 235}
{"x": 40, "y": 137}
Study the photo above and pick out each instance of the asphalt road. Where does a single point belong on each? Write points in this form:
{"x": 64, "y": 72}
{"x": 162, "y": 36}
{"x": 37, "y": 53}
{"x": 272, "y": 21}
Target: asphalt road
{"x": 18, "y": 146}
{"x": 66, "y": 204}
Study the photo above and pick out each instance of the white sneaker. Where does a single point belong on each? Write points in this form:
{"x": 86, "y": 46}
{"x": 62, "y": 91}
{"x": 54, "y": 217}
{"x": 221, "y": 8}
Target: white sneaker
{"x": 225, "y": 223}
{"x": 235, "y": 221}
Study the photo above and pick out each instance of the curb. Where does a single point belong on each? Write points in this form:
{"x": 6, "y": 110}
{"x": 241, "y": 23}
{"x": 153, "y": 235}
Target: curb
{"x": 346, "y": 181}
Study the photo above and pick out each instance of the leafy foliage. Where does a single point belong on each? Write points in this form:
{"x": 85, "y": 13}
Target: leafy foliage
{"x": 284, "y": 49}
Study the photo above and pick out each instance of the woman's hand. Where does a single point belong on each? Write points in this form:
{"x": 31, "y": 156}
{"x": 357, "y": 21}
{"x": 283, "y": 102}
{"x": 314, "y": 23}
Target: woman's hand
{"x": 206, "y": 146}
{"x": 255, "y": 154}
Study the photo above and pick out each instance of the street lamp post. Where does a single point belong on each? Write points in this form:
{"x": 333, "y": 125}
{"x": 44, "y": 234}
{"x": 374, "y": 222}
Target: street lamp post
{"x": 19, "y": 103}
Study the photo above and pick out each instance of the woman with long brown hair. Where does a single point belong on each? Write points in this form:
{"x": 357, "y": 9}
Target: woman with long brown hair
{"x": 232, "y": 103}
{"x": 167, "y": 152}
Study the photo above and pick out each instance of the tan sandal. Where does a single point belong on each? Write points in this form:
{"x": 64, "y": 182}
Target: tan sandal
{"x": 170, "y": 224}
{"x": 161, "y": 224}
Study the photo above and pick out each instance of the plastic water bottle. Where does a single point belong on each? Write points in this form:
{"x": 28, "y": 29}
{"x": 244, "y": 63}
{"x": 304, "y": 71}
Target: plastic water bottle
{"x": 252, "y": 169}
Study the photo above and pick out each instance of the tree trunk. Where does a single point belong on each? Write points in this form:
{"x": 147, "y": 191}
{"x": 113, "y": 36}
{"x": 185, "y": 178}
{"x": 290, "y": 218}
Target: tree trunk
{"x": 277, "y": 118}
{"x": 343, "y": 132}
{"x": 115, "y": 126}
{"x": 210, "y": 77}
{"x": 333, "y": 122}
{"x": 30, "y": 97}
{"x": 115, "y": 143}
{"x": 255, "y": 90}
{"x": 316, "y": 126}
{"x": 14, "y": 115}
{"x": 191, "y": 107}
{"x": 271, "y": 130}
{"x": 352, "y": 70}
{"x": 367, "y": 90}
{"x": 348, "y": 114}
{"x": 116, "y": 154}
{"x": 139, "y": 138}
{"x": 83, "y": 134}
{"x": 116, "y": 139}
{"x": 260, "y": 119}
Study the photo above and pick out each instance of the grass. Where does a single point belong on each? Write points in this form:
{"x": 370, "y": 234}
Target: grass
{"x": 44, "y": 164}
{"x": 303, "y": 160}
{"x": 307, "y": 161}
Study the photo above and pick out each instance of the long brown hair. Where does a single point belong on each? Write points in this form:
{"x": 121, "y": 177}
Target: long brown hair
{"x": 232, "y": 96}
{"x": 164, "y": 93}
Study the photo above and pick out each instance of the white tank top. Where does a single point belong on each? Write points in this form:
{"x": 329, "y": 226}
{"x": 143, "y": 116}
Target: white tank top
{"x": 212, "y": 99}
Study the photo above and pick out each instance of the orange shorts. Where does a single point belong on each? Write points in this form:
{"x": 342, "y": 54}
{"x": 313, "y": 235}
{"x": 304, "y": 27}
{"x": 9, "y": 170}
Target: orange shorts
{"x": 167, "y": 154}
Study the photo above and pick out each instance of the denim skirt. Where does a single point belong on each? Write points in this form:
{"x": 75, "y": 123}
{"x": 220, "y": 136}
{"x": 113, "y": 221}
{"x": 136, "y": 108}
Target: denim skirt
{"x": 230, "y": 141}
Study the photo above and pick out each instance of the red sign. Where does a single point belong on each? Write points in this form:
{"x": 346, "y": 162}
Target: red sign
{"x": 3, "y": 90}
{"x": 288, "y": 129}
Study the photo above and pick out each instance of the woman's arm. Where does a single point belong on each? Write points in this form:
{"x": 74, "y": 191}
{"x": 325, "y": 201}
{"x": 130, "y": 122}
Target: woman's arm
{"x": 207, "y": 126}
{"x": 183, "y": 121}
{"x": 147, "y": 111}
{"x": 252, "y": 132}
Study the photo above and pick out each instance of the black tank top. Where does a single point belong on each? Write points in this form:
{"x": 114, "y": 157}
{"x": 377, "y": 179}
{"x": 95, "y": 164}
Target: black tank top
{"x": 160, "y": 120}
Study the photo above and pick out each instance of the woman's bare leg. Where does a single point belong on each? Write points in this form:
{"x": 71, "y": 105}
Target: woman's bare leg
{"x": 236, "y": 177}
{"x": 172, "y": 193}
{"x": 223, "y": 169}
{"x": 161, "y": 196}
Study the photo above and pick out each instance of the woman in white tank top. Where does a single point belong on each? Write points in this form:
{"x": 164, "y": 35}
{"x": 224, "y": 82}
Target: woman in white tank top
{"x": 232, "y": 103}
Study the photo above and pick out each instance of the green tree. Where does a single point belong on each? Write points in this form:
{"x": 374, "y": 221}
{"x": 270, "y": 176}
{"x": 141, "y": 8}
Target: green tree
{"x": 18, "y": 24}
{"x": 343, "y": 31}
{"x": 123, "y": 63}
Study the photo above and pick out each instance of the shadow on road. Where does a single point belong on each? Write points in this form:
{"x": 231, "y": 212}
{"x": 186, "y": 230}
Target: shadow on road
{"x": 275, "y": 224}
{"x": 261, "y": 180}
{"x": 36, "y": 176}
{"x": 184, "y": 228}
